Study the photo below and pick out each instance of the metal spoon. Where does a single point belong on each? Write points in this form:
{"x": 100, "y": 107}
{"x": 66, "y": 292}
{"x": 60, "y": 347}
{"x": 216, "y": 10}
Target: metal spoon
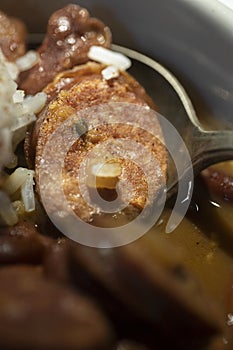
{"x": 205, "y": 147}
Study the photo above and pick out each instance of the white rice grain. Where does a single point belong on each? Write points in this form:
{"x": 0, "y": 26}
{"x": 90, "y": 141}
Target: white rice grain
{"x": 34, "y": 104}
{"x": 16, "y": 180}
{"x": 27, "y": 193}
{"x": 109, "y": 57}
{"x": 12, "y": 69}
{"x": 22, "y": 121}
{"x": 27, "y": 61}
{"x": 110, "y": 72}
{"x": 18, "y": 96}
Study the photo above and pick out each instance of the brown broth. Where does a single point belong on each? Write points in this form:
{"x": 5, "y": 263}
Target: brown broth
{"x": 205, "y": 237}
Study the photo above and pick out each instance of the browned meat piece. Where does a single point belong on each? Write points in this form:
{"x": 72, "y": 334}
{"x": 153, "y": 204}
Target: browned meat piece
{"x": 22, "y": 244}
{"x": 39, "y": 314}
{"x": 71, "y": 32}
{"x": 57, "y": 262}
{"x": 146, "y": 280}
{"x": 12, "y": 37}
{"x": 127, "y": 345}
{"x": 219, "y": 180}
{"x": 88, "y": 90}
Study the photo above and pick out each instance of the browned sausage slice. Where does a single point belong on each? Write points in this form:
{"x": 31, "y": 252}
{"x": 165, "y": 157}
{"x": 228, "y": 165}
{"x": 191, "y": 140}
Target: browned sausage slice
{"x": 82, "y": 88}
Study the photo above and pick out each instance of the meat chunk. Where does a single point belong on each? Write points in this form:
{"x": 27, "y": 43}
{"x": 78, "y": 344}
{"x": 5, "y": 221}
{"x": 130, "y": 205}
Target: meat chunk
{"x": 22, "y": 244}
{"x": 71, "y": 32}
{"x": 146, "y": 279}
{"x": 57, "y": 262}
{"x": 219, "y": 180}
{"x": 12, "y": 37}
{"x": 86, "y": 88}
{"x": 39, "y": 314}
{"x": 127, "y": 345}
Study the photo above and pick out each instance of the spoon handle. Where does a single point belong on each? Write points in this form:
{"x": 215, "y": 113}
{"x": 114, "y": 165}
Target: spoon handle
{"x": 205, "y": 148}
{"x": 210, "y": 147}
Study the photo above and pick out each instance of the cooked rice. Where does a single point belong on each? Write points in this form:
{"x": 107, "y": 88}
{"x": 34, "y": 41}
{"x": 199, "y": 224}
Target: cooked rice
{"x": 110, "y": 72}
{"x": 109, "y": 57}
{"x": 27, "y": 61}
{"x": 13, "y": 70}
{"x": 18, "y": 96}
{"x": 16, "y": 113}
